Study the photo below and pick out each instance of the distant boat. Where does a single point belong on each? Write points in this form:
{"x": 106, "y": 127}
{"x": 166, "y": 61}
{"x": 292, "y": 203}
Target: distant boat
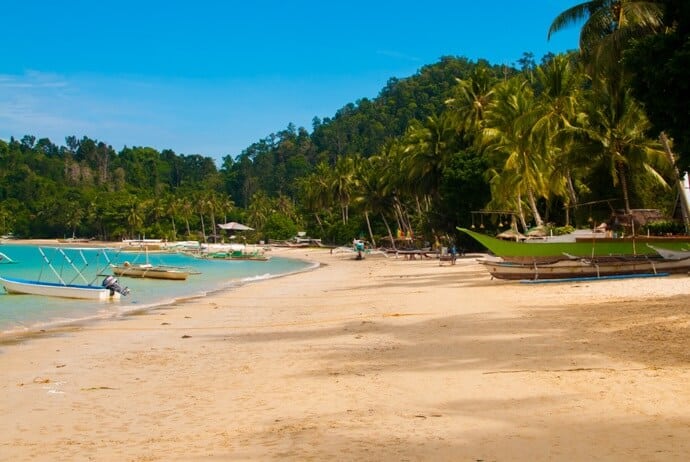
{"x": 109, "y": 290}
{"x": 74, "y": 240}
{"x": 255, "y": 255}
{"x": 234, "y": 252}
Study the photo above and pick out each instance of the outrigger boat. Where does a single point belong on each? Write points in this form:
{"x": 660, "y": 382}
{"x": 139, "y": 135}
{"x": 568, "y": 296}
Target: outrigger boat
{"x": 110, "y": 289}
{"x": 585, "y": 268}
{"x": 148, "y": 270}
{"x": 235, "y": 252}
{"x": 550, "y": 250}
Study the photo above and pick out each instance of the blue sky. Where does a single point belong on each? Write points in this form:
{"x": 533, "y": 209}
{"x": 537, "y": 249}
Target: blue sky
{"x": 213, "y": 77}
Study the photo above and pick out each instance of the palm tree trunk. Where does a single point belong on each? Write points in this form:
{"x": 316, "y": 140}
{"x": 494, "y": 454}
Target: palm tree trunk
{"x": 213, "y": 223}
{"x": 371, "y": 234}
{"x": 622, "y": 177}
{"x": 572, "y": 194}
{"x": 318, "y": 220}
{"x": 533, "y": 205}
{"x": 685, "y": 207}
{"x": 203, "y": 227}
{"x": 521, "y": 213}
{"x": 388, "y": 228}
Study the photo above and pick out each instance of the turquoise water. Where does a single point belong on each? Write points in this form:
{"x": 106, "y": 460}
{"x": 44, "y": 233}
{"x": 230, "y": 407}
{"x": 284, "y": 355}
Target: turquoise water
{"x": 20, "y": 313}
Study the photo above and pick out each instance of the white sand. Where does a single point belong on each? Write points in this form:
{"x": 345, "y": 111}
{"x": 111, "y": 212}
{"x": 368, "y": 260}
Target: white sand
{"x": 380, "y": 359}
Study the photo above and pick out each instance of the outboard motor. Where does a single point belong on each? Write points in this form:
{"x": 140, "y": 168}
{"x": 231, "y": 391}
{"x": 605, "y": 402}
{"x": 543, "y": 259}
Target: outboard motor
{"x": 110, "y": 282}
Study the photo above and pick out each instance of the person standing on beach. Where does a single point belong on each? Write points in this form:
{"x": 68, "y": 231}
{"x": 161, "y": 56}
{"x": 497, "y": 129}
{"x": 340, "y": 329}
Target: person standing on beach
{"x": 358, "y": 246}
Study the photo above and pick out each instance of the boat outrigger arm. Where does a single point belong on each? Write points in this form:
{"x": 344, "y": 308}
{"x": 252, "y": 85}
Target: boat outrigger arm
{"x": 69, "y": 260}
{"x": 50, "y": 265}
{"x": 110, "y": 282}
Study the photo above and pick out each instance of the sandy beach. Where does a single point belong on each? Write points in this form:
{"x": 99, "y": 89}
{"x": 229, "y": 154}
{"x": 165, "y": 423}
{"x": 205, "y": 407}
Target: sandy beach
{"x": 379, "y": 359}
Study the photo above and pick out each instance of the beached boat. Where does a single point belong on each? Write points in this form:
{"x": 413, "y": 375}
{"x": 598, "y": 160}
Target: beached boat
{"x": 585, "y": 268}
{"x": 109, "y": 290}
{"x": 670, "y": 254}
{"x": 147, "y": 270}
{"x": 546, "y": 249}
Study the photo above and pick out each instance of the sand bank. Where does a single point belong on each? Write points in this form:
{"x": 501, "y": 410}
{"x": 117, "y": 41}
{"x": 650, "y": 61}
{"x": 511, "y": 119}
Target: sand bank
{"x": 380, "y": 359}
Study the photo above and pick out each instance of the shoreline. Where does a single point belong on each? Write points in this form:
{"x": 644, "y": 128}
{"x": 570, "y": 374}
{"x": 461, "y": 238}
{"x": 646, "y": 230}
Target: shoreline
{"x": 379, "y": 359}
{"x": 19, "y": 333}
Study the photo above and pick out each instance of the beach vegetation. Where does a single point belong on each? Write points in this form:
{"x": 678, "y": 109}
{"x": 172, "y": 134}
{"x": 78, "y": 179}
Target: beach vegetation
{"x": 539, "y": 142}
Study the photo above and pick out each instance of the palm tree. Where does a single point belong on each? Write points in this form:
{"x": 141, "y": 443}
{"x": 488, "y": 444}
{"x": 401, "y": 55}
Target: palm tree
{"x": 343, "y": 183}
{"x": 186, "y": 210}
{"x": 260, "y": 209}
{"x": 227, "y": 205}
{"x": 370, "y": 192}
{"x": 75, "y": 215}
{"x": 471, "y": 99}
{"x": 428, "y": 148}
{"x": 397, "y": 184}
{"x": 209, "y": 203}
{"x": 559, "y": 83}
{"x": 135, "y": 218}
{"x": 508, "y": 135}
{"x": 315, "y": 191}
{"x": 616, "y": 135}
{"x": 609, "y": 25}
{"x": 171, "y": 205}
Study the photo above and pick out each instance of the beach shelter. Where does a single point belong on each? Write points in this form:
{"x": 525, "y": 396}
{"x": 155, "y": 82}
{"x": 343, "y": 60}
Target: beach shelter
{"x": 511, "y": 235}
{"x": 234, "y": 226}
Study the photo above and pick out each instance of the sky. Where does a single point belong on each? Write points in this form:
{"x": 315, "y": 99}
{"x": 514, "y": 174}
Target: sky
{"x": 211, "y": 77}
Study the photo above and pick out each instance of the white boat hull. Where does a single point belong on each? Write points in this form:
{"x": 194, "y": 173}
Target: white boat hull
{"x": 22, "y": 286}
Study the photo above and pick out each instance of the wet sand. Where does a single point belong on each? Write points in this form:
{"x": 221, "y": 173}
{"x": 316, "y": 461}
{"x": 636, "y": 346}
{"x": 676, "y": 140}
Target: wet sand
{"x": 379, "y": 359}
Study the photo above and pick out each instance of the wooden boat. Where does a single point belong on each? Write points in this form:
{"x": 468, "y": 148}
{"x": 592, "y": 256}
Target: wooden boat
{"x": 585, "y": 268}
{"x": 147, "y": 270}
{"x": 544, "y": 249}
{"x": 670, "y": 254}
{"x": 109, "y": 290}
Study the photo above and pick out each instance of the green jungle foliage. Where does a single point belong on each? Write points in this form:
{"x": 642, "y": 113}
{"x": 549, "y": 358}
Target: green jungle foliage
{"x": 541, "y": 144}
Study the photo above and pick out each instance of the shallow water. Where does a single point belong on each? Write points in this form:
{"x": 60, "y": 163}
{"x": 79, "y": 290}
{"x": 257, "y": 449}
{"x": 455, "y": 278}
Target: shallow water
{"x": 21, "y": 313}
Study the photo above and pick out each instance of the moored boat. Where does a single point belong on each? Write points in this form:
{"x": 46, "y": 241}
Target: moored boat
{"x": 109, "y": 290}
{"x": 238, "y": 255}
{"x": 147, "y": 270}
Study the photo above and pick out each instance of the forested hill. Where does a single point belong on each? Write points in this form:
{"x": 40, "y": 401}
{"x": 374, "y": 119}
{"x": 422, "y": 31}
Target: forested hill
{"x": 364, "y": 127}
{"x": 528, "y": 147}
{"x": 84, "y": 187}
{"x": 274, "y": 163}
